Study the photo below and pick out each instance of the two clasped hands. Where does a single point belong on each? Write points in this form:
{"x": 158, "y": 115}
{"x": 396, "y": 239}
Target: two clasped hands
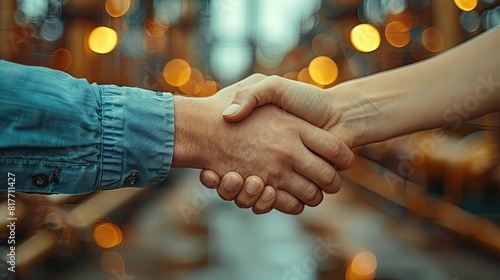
{"x": 269, "y": 158}
{"x": 269, "y": 142}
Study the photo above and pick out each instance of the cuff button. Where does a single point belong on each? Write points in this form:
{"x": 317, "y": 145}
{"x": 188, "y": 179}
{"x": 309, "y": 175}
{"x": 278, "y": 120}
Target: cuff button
{"x": 131, "y": 180}
{"x": 40, "y": 180}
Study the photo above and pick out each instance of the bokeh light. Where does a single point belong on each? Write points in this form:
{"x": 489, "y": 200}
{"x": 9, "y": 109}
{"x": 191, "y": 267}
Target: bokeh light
{"x": 177, "y": 72}
{"x": 323, "y": 70}
{"x": 52, "y": 29}
{"x": 324, "y": 44}
{"x": 112, "y": 262}
{"x": 362, "y": 267}
{"x": 470, "y": 21}
{"x": 107, "y": 235}
{"x": 433, "y": 39}
{"x": 466, "y": 5}
{"x": 153, "y": 28}
{"x": 103, "y": 40}
{"x": 60, "y": 59}
{"x": 305, "y": 77}
{"x": 208, "y": 88}
{"x": 365, "y": 37}
{"x": 117, "y": 8}
{"x": 397, "y": 34}
{"x": 291, "y": 75}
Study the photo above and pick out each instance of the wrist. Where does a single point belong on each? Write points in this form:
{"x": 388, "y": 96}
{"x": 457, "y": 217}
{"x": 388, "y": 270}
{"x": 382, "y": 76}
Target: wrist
{"x": 192, "y": 132}
{"x": 356, "y": 109}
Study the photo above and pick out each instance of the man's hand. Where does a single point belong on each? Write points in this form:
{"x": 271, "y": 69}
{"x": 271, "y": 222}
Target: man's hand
{"x": 278, "y": 147}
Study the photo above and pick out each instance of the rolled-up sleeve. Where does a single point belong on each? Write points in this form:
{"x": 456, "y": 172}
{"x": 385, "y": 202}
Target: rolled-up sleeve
{"x": 59, "y": 134}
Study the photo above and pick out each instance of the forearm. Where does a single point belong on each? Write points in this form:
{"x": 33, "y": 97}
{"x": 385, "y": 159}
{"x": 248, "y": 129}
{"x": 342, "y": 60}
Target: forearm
{"x": 459, "y": 85}
{"x": 59, "y": 134}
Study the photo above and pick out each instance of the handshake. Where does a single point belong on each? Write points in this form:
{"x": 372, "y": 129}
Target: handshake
{"x": 281, "y": 157}
{"x": 285, "y": 156}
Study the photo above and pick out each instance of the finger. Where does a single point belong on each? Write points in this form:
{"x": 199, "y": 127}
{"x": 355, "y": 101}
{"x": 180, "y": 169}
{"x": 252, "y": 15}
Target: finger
{"x": 248, "y": 81}
{"x": 328, "y": 146}
{"x": 230, "y": 186}
{"x": 209, "y": 179}
{"x": 318, "y": 172}
{"x": 250, "y": 192}
{"x": 246, "y": 99}
{"x": 287, "y": 203}
{"x": 302, "y": 188}
{"x": 265, "y": 202}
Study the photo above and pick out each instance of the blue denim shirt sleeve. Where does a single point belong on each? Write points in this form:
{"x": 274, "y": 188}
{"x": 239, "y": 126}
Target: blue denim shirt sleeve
{"x": 59, "y": 134}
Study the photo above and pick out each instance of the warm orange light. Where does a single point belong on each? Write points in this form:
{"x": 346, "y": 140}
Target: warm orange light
{"x": 365, "y": 37}
{"x": 397, "y": 34}
{"x": 112, "y": 262}
{"x": 323, "y": 70}
{"x": 117, "y": 8}
{"x": 207, "y": 88}
{"x": 433, "y": 39}
{"x": 303, "y": 76}
{"x": 153, "y": 28}
{"x": 291, "y": 75}
{"x": 177, "y": 72}
{"x": 103, "y": 40}
{"x": 107, "y": 235}
{"x": 191, "y": 87}
{"x": 363, "y": 266}
{"x": 324, "y": 44}
{"x": 60, "y": 60}
{"x": 466, "y": 5}
{"x": 196, "y": 75}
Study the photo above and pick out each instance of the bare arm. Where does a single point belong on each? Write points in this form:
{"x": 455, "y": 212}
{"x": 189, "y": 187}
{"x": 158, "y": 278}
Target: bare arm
{"x": 458, "y": 85}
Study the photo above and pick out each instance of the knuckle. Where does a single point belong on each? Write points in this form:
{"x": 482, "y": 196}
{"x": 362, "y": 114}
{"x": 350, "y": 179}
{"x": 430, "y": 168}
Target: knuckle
{"x": 285, "y": 155}
{"x": 328, "y": 176}
{"x": 334, "y": 146}
{"x": 310, "y": 194}
{"x": 258, "y": 76}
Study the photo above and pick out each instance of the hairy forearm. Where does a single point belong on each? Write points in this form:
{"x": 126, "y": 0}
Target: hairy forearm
{"x": 456, "y": 86}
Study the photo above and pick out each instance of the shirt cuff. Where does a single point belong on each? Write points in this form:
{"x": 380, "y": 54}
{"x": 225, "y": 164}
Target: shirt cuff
{"x": 137, "y": 137}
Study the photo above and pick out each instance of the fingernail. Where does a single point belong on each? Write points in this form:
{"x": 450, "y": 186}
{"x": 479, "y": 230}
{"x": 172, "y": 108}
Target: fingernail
{"x": 252, "y": 186}
{"x": 267, "y": 194}
{"x": 233, "y": 108}
{"x": 231, "y": 183}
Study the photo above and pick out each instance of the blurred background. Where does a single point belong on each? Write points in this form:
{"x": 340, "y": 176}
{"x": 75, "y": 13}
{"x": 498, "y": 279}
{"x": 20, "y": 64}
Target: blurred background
{"x": 411, "y": 208}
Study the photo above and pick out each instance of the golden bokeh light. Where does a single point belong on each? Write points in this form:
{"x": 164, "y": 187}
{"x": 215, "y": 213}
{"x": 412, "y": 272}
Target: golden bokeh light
{"x": 153, "y": 28}
{"x": 291, "y": 75}
{"x": 397, "y": 34}
{"x": 324, "y": 44}
{"x": 103, "y": 40}
{"x": 112, "y": 262}
{"x": 304, "y": 77}
{"x": 433, "y": 39}
{"x": 323, "y": 70}
{"x": 362, "y": 267}
{"x": 117, "y": 8}
{"x": 177, "y": 72}
{"x": 197, "y": 76}
{"x": 60, "y": 59}
{"x": 466, "y": 5}
{"x": 365, "y": 37}
{"x": 191, "y": 87}
{"x": 107, "y": 235}
{"x": 207, "y": 88}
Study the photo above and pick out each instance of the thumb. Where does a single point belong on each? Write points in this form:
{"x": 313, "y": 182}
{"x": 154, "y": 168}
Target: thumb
{"x": 246, "y": 99}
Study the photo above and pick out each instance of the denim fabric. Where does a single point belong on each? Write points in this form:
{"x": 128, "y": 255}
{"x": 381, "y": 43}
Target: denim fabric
{"x": 59, "y": 134}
